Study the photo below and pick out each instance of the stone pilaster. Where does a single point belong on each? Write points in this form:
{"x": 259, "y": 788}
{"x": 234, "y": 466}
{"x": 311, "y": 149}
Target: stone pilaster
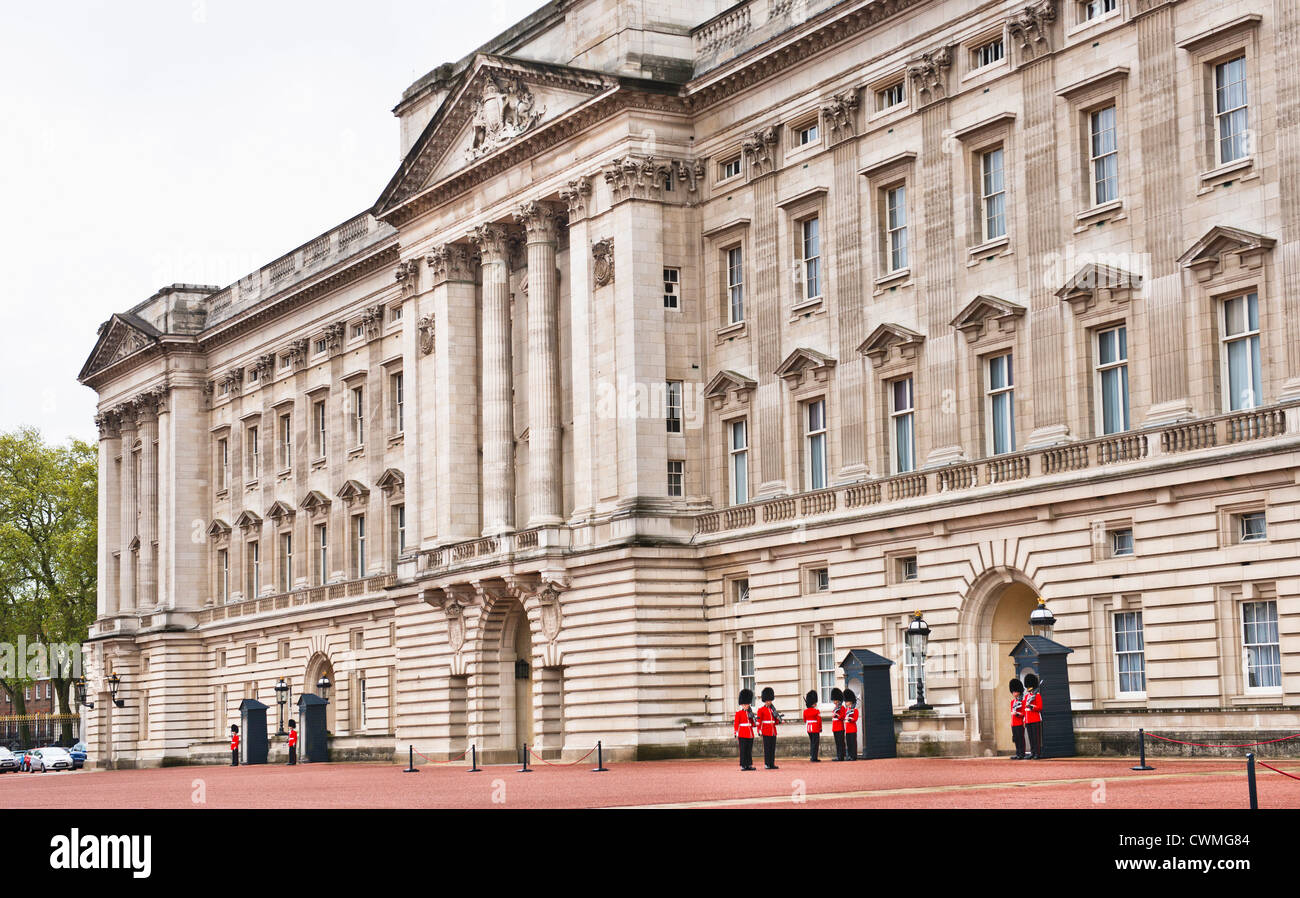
{"x": 498, "y": 476}
{"x": 850, "y": 330}
{"x": 577, "y": 194}
{"x": 127, "y": 508}
{"x": 1286, "y": 69}
{"x": 110, "y": 446}
{"x": 541, "y": 222}
{"x": 147, "y": 516}
{"x": 766, "y": 301}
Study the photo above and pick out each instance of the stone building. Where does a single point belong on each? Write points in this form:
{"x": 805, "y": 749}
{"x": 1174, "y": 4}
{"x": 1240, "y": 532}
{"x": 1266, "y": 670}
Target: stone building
{"x": 694, "y": 345}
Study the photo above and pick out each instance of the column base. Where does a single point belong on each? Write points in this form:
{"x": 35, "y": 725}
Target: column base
{"x": 852, "y": 474}
{"x": 945, "y": 455}
{"x": 772, "y": 489}
{"x": 1052, "y": 435}
{"x": 1168, "y": 413}
{"x": 1290, "y": 390}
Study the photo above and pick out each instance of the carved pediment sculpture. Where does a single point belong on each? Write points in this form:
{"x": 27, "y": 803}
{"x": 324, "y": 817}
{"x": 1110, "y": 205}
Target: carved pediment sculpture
{"x": 506, "y": 109}
{"x": 120, "y": 336}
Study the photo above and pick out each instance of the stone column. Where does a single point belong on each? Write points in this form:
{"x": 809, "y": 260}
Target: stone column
{"x": 147, "y": 513}
{"x": 541, "y": 221}
{"x": 127, "y": 506}
{"x": 577, "y": 193}
{"x": 109, "y": 447}
{"x": 498, "y": 475}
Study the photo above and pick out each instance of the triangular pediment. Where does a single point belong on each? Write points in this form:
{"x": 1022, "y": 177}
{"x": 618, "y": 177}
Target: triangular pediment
{"x": 975, "y": 317}
{"x": 1206, "y": 256}
{"x": 218, "y": 528}
{"x": 1095, "y": 281}
{"x": 280, "y": 509}
{"x": 352, "y": 489}
{"x": 248, "y": 519}
{"x": 314, "y": 501}
{"x": 727, "y": 381}
{"x": 120, "y": 336}
{"x": 391, "y": 479}
{"x": 803, "y": 360}
{"x": 497, "y": 103}
{"x": 885, "y": 338}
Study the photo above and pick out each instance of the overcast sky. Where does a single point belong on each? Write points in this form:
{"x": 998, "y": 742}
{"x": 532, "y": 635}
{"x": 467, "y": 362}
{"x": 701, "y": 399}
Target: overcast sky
{"x": 152, "y": 142}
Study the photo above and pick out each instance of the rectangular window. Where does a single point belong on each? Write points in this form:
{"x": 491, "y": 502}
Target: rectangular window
{"x": 902, "y": 438}
{"x": 1121, "y": 542}
{"x": 358, "y": 546}
{"x": 676, "y": 469}
{"x": 827, "y": 667}
{"x": 253, "y": 453}
{"x": 319, "y": 423}
{"x": 1130, "y": 653}
{"x": 736, "y": 284}
{"x": 730, "y": 168}
{"x": 254, "y": 575}
{"x": 911, "y": 671}
{"x": 1252, "y": 527}
{"x": 907, "y": 568}
{"x": 672, "y": 288}
{"x": 993, "y": 194}
{"x": 399, "y": 532}
{"x": 395, "y": 313}
{"x": 1241, "y": 351}
{"x": 286, "y": 562}
{"x": 896, "y": 226}
{"x": 819, "y": 579}
{"x": 1112, "y": 379}
{"x": 806, "y": 134}
{"x": 1001, "y": 392}
{"x": 1103, "y": 155}
{"x": 1263, "y": 659}
{"x": 285, "y": 361}
{"x": 1095, "y": 9}
{"x": 740, "y": 590}
{"x": 810, "y": 249}
{"x": 889, "y": 97}
{"x": 1230, "y": 111}
{"x": 739, "y": 466}
{"x": 398, "y": 389}
{"x": 815, "y": 445}
{"x": 320, "y": 345}
{"x": 746, "y": 659}
{"x": 286, "y": 442}
{"x": 673, "y": 406}
{"x": 223, "y": 576}
{"x": 358, "y": 416}
{"x": 223, "y": 464}
{"x": 322, "y": 571}
{"x": 358, "y": 331}
{"x": 987, "y": 54}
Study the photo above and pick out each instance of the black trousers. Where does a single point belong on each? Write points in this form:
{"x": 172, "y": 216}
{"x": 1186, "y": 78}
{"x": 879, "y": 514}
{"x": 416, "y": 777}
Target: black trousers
{"x": 814, "y": 742}
{"x": 1035, "y": 733}
{"x": 1018, "y": 737}
{"x": 839, "y": 744}
{"x": 234, "y": 757}
{"x": 293, "y": 754}
{"x": 769, "y": 751}
{"x": 852, "y": 740}
{"x": 746, "y": 753}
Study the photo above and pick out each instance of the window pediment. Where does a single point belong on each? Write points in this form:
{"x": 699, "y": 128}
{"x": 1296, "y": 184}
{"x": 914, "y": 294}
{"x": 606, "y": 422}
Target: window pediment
{"x": 973, "y": 321}
{"x": 248, "y": 519}
{"x": 803, "y": 361}
{"x": 280, "y": 509}
{"x": 219, "y": 530}
{"x": 392, "y": 480}
{"x": 729, "y": 386}
{"x": 1209, "y": 256}
{"x": 352, "y": 490}
{"x": 314, "y": 501}
{"x": 886, "y": 338}
{"x": 1094, "y": 283}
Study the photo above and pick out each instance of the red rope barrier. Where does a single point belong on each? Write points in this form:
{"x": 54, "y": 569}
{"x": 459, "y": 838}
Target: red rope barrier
{"x": 448, "y": 761}
{"x": 1275, "y": 770}
{"x": 569, "y": 764}
{"x": 1207, "y": 745}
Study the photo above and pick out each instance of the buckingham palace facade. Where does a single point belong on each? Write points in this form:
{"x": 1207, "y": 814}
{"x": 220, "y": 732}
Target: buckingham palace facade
{"x": 693, "y": 345}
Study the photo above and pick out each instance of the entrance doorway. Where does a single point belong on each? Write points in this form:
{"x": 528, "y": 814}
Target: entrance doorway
{"x": 517, "y": 677}
{"x": 319, "y": 666}
{"x": 1012, "y": 607}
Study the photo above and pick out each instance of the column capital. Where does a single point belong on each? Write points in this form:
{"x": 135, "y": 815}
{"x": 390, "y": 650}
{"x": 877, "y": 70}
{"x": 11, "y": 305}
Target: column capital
{"x": 493, "y": 240}
{"x": 107, "y": 422}
{"x": 452, "y": 262}
{"x": 541, "y": 220}
{"x": 576, "y": 194}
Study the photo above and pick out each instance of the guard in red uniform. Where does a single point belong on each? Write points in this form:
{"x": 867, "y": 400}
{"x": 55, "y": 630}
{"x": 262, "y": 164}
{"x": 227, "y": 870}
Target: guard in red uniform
{"x": 293, "y": 742}
{"x": 837, "y": 722}
{"x": 851, "y": 723}
{"x": 234, "y": 745}
{"x": 812, "y": 719}
{"x": 1018, "y": 718}
{"x": 768, "y": 718}
{"x": 1033, "y": 717}
{"x": 746, "y": 723}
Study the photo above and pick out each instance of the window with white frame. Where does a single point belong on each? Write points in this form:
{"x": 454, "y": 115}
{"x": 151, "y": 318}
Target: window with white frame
{"x": 673, "y": 406}
{"x": 735, "y": 285}
{"x": 254, "y": 465}
{"x": 322, "y": 566}
{"x": 890, "y": 96}
{"x": 1231, "y": 116}
{"x": 286, "y": 561}
{"x": 805, "y": 133}
{"x": 911, "y": 669}
{"x": 1121, "y": 542}
{"x": 358, "y": 331}
{"x": 286, "y": 441}
{"x": 1263, "y": 659}
{"x": 738, "y": 462}
{"x": 395, "y": 313}
{"x": 397, "y": 388}
{"x": 729, "y": 168}
{"x": 320, "y": 423}
{"x": 1103, "y": 150}
{"x": 223, "y": 464}
{"x": 815, "y": 444}
{"x": 223, "y": 576}
{"x": 907, "y": 568}
{"x": 902, "y": 438}
{"x": 358, "y": 416}
{"x": 358, "y": 546}
{"x": 1112, "y": 379}
{"x": 896, "y": 227}
{"x": 745, "y": 657}
{"x": 253, "y": 567}
{"x": 1241, "y": 360}
{"x": 1095, "y": 9}
{"x": 810, "y": 257}
{"x": 819, "y": 579}
{"x": 321, "y": 345}
{"x": 826, "y": 667}
{"x": 993, "y": 194}
{"x": 1252, "y": 527}
{"x": 672, "y": 288}
{"x": 399, "y": 533}
{"x": 1130, "y": 654}
{"x": 1000, "y": 402}
{"x": 988, "y": 53}
{"x": 676, "y": 469}
{"x": 740, "y": 589}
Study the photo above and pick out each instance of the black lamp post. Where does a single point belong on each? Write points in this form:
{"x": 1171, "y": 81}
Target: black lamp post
{"x": 282, "y": 698}
{"x": 80, "y": 684}
{"x": 114, "y": 681}
{"x": 323, "y": 687}
{"x": 918, "y": 637}
{"x": 1041, "y": 620}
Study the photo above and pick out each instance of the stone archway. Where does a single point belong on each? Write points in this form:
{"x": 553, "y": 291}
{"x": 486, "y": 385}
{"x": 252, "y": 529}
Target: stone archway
{"x": 503, "y": 695}
{"x": 994, "y": 615}
{"x": 319, "y": 664}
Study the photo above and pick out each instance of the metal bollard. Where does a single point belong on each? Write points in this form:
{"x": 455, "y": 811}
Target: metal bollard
{"x": 410, "y": 764}
{"x": 473, "y": 759}
{"x": 1250, "y": 780}
{"x": 600, "y": 760}
{"x": 1142, "y": 751}
{"x": 525, "y": 769}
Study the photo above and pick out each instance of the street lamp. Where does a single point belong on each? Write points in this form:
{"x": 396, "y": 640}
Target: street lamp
{"x": 1041, "y": 620}
{"x": 114, "y": 681}
{"x": 323, "y": 687}
{"x": 918, "y": 636}
{"x": 80, "y": 684}
{"x": 282, "y": 697}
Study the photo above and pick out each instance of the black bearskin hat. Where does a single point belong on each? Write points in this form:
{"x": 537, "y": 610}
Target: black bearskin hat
{"x": 293, "y": 723}
{"x": 234, "y": 728}
{"x": 1031, "y": 681}
{"x": 769, "y": 694}
{"x": 837, "y": 694}
{"x": 811, "y": 698}
{"x": 849, "y": 696}
{"x": 1015, "y": 685}
{"x": 746, "y": 697}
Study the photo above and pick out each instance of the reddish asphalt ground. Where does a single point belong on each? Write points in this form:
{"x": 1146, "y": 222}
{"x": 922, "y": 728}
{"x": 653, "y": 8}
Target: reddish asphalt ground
{"x": 713, "y": 783}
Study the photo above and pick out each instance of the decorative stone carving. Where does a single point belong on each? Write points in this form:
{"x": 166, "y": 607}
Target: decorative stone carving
{"x": 107, "y": 422}
{"x": 334, "y": 334}
{"x": 452, "y": 262}
{"x": 298, "y": 352}
{"x": 603, "y": 252}
{"x": 541, "y": 220}
{"x": 840, "y": 115}
{"x": 575, "y": 194}
{"x": 265, "y": 365}
{"x": 638, "y": 177}
{"x": 373, "y": 318}
{"x": 407, "y": 275}
{"x": 506, "y": 109}
{"x": 455, "y": 624}
{"x": 1031, "y": 26}
{"x": 425, "y": 329}
{"x": 548, "y": 602}
{"x": 929, "y": 74}
{"x": 232, "y": 380}
{"x": 886, "y": 338}
{"x": 760, "y": 150}
{"x": 493, "y": 241}
{"x": 690, "y": 173}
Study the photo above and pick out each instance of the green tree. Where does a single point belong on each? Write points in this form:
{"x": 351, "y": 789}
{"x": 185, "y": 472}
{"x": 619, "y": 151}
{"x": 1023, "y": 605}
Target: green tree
{"x": 48, "y": 506}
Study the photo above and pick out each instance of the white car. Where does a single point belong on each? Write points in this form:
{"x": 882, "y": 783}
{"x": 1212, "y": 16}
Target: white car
{"x": 7, "y": 761}
{"x": 51, "y": 758}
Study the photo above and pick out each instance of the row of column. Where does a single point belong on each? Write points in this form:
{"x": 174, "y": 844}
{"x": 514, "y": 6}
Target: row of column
{"x": 130, "y": 431}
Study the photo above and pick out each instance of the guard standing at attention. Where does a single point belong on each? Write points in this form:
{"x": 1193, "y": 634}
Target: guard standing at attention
{"x": 293, "y": 742}
{"x": 745, "y": 725}
{"x": 837, "y": 722}
{"x": 1017, "y": 718}
{"x": 234, "y": 745}
{"x": 851, "y": 723}
{"x": 767, "y": 721}
{"x": 1034, "y": 717}
{"x": 813, "y": 719}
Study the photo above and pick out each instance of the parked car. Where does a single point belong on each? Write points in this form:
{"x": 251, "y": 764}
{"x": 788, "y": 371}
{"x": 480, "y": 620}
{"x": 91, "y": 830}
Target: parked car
{"x": 78, "y": 753}
{"x": 8, "y": 761}
{"x": 21, "y": 756}
{"x": 50, "y": 758}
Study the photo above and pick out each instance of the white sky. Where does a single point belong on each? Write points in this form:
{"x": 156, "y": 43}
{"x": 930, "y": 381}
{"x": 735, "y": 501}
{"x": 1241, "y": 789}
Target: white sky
{"x": 151, "y": 142}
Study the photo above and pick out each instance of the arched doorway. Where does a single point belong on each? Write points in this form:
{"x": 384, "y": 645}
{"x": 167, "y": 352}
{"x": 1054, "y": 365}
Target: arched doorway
{"x": 994, "y": 617}
{"x": 517, "y": 676}
{"x": 320, "y": 665}
{"x": 1010, "y": 622}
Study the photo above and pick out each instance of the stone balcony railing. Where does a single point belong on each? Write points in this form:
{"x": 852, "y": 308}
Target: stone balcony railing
{"x": 299, "y": 597}
{"x": 737, "y": 29}
{"x": 1101, "y": 453}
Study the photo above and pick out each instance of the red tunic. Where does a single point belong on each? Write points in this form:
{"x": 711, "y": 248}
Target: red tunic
{"x": 766, "y": 721}
{"x": 1017, "y": 719}
{"x": 234, "y": 742}
{"x": 293, "y": 738}
{"x": 851, "y": 721}
{"x": 837, "y": 719}
{"x": 813, "y": 718}
{"x": 1033, "y": 707}
{"x": 744, "y": 729}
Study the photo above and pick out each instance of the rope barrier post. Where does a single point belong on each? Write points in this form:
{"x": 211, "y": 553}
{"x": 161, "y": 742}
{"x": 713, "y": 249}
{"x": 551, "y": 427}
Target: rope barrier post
{"x": 410, "y": 765}
{"x": 1250, "y": 780}
{"x": 473, "y": 759}
{"x": 525, "y": 769}
{"x": 1142, "y": 751}
{"x": 600, "y": 760}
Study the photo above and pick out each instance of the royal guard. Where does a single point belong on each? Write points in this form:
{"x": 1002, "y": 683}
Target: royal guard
{"x": 851, "y": 723}
{"x": 746, "y": 723}
{"x": 1033, "y": 711}
{"x": 768, "y": 718}
{"x": 234, "y": 745}
{"x": 837, "y": 722}
{"x": 1018, "y": 718}
{"x": 293, "y": 742}
{"x": 812, "y": 718}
